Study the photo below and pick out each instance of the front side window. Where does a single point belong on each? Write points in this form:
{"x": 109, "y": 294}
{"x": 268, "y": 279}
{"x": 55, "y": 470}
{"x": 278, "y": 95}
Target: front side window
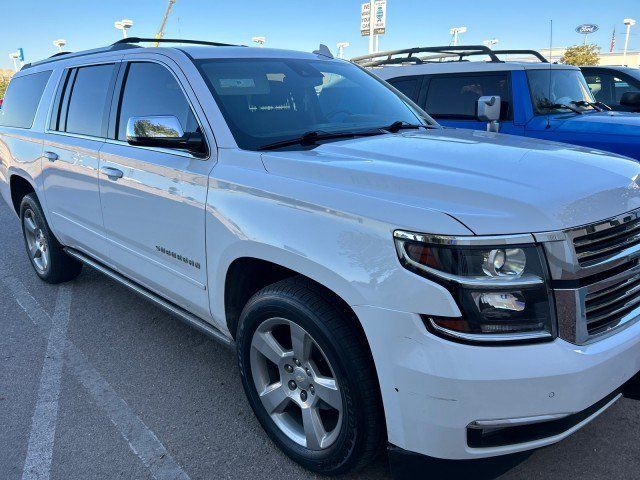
{"x": 271, "y": 100}
{"x": 407, "y": 85}
{"x": 152, "y": 90}
{"x": 599, "y": 86}
{"x": 620, "y": 87}
{"x": 22, "y": 98}
{"x": 455, "y": 97}
{"x": 559, "y": 91}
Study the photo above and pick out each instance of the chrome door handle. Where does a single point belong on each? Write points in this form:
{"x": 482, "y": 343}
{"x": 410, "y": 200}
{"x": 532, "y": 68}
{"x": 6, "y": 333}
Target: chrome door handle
{"x": 51, "y": 156}
{"x": 112, "y": 173}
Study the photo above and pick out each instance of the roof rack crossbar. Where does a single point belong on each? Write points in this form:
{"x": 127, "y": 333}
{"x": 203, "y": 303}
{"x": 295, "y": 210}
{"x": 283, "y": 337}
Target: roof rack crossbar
{"x": 535, "y": 53}
{"x": 460, "y": 50}
{"x": 130, "y": 40}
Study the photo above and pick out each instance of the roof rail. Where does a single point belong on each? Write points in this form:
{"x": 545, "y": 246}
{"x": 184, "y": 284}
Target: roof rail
{"x": 536, "y": 54}
{"x": 130, "y": 40}
{"x": 460, "y": 51}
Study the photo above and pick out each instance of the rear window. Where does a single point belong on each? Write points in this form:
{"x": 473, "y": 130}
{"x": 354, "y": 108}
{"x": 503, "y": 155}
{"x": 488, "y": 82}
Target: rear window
{"x": 456, "y": 96}
{"x": 22, "y": 99}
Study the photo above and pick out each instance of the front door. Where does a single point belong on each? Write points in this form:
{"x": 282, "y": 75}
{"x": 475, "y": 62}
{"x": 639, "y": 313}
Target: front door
{"x": 154, "y": 199}
{"x": 71, "y": 156}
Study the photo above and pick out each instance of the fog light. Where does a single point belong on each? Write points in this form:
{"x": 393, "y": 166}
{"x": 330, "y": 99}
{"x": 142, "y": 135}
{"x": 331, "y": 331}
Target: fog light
{"x": 510, "y": 301}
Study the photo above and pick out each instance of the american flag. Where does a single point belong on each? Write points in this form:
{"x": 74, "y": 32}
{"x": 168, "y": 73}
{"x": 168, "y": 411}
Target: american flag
{"x": 613, "y": 40}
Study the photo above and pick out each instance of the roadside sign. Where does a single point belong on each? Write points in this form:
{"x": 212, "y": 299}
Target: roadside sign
{"x": 379, "y": 18}
{"x": 587, "y": 29}
{"x": 365, "y": 18}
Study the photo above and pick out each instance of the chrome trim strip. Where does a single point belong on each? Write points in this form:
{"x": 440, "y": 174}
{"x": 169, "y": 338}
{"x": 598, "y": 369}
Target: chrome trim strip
{"x": 592, "y": 253}
{"x": 610, "y": 301}
{"x": 491, "y": 337}
{"x": 187, "y": 317}
{"x": 470, "y": 240}
{"x": 630, "y": 227}
{"x": 514, "y": 422}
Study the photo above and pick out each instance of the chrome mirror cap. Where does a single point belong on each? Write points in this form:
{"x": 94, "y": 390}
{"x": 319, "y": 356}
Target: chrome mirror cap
{"x": 154, "y": 127}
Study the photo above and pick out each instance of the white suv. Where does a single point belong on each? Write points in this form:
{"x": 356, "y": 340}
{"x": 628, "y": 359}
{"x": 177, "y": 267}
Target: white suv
{"x": 457, "y": 294}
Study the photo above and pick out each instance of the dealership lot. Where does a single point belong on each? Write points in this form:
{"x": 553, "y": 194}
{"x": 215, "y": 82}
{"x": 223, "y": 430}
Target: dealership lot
{"x": 143, "y": 396}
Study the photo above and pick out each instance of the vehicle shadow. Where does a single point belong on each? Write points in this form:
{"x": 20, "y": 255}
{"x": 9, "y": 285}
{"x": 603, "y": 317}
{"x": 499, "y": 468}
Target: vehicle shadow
{"x": 416, "y": 467}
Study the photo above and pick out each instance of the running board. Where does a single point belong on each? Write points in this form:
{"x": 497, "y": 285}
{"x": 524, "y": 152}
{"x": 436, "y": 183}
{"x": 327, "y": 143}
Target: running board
{"x": 188, "y": 318}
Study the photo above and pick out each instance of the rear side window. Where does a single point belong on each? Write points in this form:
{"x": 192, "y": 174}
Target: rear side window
{"x": 456, "y": 96}
{"x": 22, "y": 99}
{"x": 407, "y": 85}
{"x": 149, "y": 90}
{"x": 87, "y": 104}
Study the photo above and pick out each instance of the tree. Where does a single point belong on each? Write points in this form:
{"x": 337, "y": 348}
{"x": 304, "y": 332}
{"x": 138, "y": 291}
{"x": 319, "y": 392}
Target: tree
{"x": 581, "y": 55}
{"x": 5, "y": 76}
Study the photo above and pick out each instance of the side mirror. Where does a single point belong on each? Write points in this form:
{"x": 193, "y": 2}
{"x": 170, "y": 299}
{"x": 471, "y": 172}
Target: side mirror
{"x": 488, "y": 110}
{"x": 631, "y": 99}
{"x": 163, "y": 131}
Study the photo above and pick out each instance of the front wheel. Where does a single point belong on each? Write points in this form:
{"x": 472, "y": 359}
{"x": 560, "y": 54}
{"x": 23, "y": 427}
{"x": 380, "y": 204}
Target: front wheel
{"x": 309, "y": 377}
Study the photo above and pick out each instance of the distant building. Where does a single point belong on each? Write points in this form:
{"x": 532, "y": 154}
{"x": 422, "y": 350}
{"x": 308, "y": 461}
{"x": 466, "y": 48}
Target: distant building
{"x": 606, "y": 58}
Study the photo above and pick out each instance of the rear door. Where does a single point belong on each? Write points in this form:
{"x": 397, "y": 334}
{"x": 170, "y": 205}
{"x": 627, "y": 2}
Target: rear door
{"x": 75, "y": 134}
{"x": 452, "y": 99}
{"x": 154, "y": 213}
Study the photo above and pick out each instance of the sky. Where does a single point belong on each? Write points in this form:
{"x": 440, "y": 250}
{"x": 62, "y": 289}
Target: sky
{"x": 303, "y": 25}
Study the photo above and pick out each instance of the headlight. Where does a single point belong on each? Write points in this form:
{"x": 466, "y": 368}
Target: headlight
{"x": 499, "y": 283}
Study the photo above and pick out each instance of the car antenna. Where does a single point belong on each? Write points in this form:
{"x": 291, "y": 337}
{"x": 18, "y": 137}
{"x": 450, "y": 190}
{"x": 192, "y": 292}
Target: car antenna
{"x": 551, "y": 57}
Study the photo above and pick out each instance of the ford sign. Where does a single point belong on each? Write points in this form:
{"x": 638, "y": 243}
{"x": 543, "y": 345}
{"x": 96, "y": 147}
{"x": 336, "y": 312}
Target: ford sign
{"x": 587, "y": 29}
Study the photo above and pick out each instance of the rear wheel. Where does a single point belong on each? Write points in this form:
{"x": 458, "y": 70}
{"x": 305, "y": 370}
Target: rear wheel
{"x": 309, "y": 377}
{"x": 46, "y": 254}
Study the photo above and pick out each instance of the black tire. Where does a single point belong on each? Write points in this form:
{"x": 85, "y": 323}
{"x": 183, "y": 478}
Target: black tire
{"x": 335, "y": 331}
{"x": 60, "y": 266}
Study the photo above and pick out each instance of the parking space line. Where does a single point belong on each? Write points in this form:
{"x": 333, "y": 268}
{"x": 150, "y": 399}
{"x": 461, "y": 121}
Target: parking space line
{"x": 141, "y": 440}
{"x": 43, "y": 424}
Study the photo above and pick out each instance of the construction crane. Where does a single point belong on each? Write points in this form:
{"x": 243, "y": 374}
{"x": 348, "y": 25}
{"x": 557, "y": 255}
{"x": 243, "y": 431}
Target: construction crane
{"x": 160, "y": 33}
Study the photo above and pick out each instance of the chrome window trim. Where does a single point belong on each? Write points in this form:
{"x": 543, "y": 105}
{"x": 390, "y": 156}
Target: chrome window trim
{"x": 167, "y": 151}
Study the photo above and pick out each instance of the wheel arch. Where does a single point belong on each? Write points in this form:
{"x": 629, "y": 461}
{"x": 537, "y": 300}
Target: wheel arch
{"x": 19, "y": 187}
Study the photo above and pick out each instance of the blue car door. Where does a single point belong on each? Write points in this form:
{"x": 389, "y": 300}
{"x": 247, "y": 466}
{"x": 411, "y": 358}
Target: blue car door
{"x": 452, "y": 99}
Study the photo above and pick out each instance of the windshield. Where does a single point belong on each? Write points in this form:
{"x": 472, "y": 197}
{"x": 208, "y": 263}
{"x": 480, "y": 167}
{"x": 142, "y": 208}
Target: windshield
{"x": 272, "y": 100}
{"x": 553, "y": 90}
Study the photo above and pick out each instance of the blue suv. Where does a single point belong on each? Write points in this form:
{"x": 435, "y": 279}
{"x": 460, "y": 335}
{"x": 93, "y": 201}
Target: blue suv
{"x": 538, "y": 99}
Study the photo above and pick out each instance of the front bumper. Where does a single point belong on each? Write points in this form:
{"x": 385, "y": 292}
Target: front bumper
{"x": 433, "y": 389}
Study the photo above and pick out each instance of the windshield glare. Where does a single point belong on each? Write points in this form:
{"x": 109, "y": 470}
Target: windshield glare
{"x": 552, "y": 88}
{"x": 272, "y": 100}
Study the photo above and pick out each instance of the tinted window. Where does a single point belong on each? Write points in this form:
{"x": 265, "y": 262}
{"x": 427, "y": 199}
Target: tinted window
{"x": 88, "y": 101}
{"x": 457, "y": 96}
{"x": 620, "y": 87}
{"x": 22, "y": 99}
{"x": 272, "y": 100}
{"x": 408, "y": 86}
{"x": 598, "y": 84}
{"x": 150, "y": 89}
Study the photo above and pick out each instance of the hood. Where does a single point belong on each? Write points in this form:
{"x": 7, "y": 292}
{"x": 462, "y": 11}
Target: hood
{"x": 492, "y": 183}
{"x": 607, "y": 123}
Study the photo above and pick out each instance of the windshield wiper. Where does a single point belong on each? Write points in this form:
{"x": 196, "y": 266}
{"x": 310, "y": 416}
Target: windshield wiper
{"x": 584, "y": 103}
{"x": 312, "y": 137}
{"x": 402, "y": 125}
{"x": 555, "y": 106}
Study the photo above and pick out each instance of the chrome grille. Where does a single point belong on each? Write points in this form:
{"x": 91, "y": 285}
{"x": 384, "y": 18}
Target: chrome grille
{"x": 607, "y": 307}
{"x": 604, "y": 240}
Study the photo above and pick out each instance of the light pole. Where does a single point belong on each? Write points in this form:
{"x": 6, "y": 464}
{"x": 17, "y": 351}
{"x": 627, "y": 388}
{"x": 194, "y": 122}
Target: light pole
{"x": 629, "y": 22}
{"x": 123, "y": 25}
{"x": 14, "y": 56}
{"x": 61, "y": 42}
{"x": 456, "y": 32}
{"x": 260, "y": 41}
{"x": 341, "y": 47}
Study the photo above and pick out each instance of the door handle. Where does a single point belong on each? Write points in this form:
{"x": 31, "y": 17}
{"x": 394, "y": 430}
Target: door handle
{"x": 51, "y": 156}
{"x": 112, "y": 173}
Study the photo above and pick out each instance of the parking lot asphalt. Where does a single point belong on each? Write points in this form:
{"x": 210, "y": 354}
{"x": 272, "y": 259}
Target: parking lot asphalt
{"x": 96, "y": 383}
